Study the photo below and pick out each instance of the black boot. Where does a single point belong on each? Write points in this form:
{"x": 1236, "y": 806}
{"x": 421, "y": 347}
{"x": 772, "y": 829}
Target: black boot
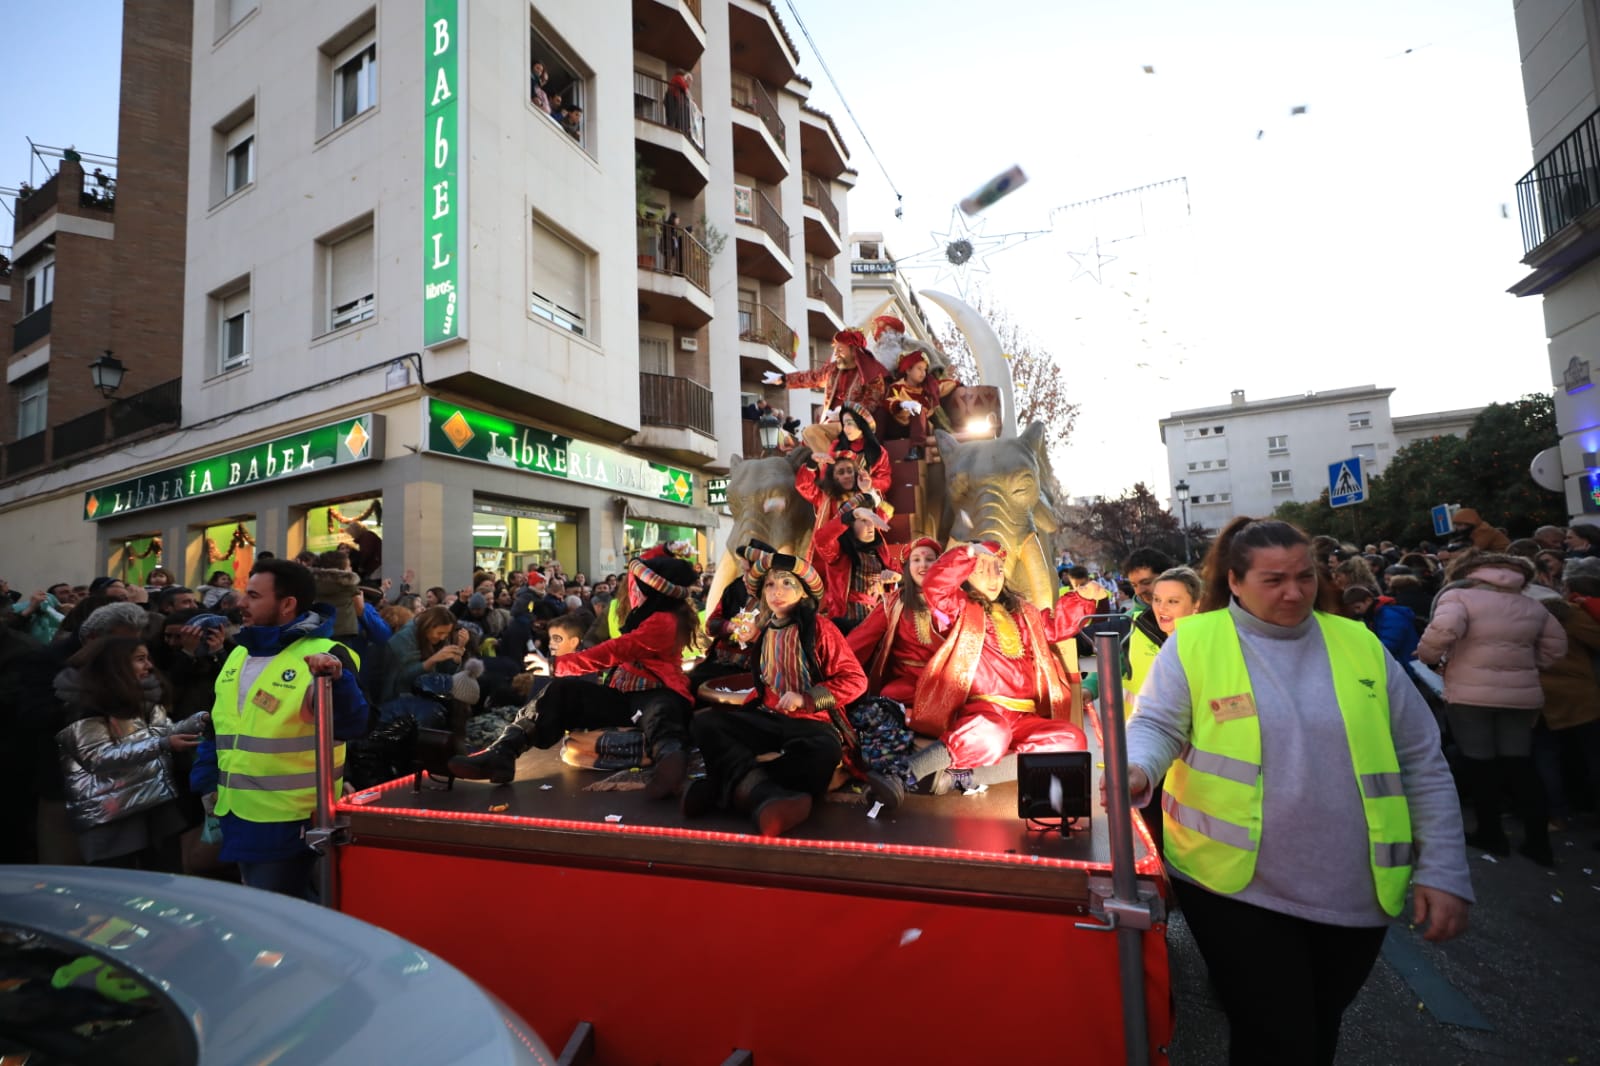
{"x": 774, "y": 809}
{"x": 497, "y": 762}
{"x": 697, "y": 797}
{"x": 1527, "y": 795}
{"x": 1483, "y": 788}
{"x": 619, "y": 750}
{"x": 672, "y": 770}
{"x": 886, "y": 789}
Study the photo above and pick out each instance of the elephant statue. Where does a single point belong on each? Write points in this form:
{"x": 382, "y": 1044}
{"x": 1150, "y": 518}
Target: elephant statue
{"x": 995, "y": 490}
{"x": 765, "y": 506}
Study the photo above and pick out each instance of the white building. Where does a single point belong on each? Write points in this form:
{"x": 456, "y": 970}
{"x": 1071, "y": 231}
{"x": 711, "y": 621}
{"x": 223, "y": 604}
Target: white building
{"x": 413, "y": 296}
{"x": 1248, "y": 456}
{"x": 1556, "y": 202}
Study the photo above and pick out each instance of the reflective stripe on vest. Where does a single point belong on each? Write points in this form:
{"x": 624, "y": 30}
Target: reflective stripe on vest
{"x": 266, "y": 743}
{"x": 1214, "y": 790}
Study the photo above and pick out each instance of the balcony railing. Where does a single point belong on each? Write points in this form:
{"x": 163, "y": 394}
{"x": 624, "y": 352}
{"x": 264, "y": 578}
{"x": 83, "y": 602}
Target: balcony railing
{"x": 751, "y": 205}
{"x": 819, "y": 286}
{"x": 763, "y": 325}
{"x": 25, "y": 454}
{"x": 158, "y": 406}
{"x": 79, "y": 435}
{"x": 1564, "y": 185}
{"x": 34, "y": 327}
{"x": 815, "y": 193}
{"x": 673, "y": 401}
{"x": 653, "y": 102}
{"x": 673, "y": 250}
{"x": 750, "y": 95}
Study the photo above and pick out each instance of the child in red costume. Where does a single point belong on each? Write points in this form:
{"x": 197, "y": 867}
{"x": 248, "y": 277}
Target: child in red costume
{"x": 897, "y": 640}
{"x": 994, "y": 687}
{"x": 858, "y": 439}
{"x": 853, "y": 557}
{"x": 805, "y": 677}
{"x": 829, "y": 487}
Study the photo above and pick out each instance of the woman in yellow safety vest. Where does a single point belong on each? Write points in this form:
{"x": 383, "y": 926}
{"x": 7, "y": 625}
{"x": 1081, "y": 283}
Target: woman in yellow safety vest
{"x": 1305, "y": 791}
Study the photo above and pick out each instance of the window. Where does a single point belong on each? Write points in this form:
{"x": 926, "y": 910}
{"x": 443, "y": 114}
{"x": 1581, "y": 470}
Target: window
{"x": 32, "y": 396}
{"x": 1366, "y": 452}
{"x": 1204, "y": 431}
{"x": 1216, "y": 431}
{"x": 869, "y": 250}
{"x": 1281, "y": 479}
{"x": 232, "y": 12}
{"x": 1206, "y": 465}
{"x": 239, "y": 160}
{"x": 560, "y": 280}
{"x": 655, "y": 355}
{"x": 561, "y": 85}
{"x": 1224, "y": 497}
{"x": 1222, "y": 464}
{"x": 233, "y": 330}
{"x": 39, "y": 285}
{"x": 355, "y": 83}
{"x": 1278, "y": 445}
{"x": 1211, "y": 497}
{"x": 1193, "y": 467}
{"x": 349, "y": 296}
{"x": 1360, "y": 419}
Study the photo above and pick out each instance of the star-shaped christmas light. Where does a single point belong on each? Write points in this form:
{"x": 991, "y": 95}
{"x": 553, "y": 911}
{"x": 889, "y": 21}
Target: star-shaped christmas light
{"x": 1089, "y": 263}
{"x": 963, "y": 249}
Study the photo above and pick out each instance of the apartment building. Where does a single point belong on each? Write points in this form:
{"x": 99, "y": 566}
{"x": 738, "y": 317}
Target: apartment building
{"x": 878, "y": 287}
{"x": 416, "y": 298}
{"x": 1558, "y": 203}
{"x": 91, "y": 298}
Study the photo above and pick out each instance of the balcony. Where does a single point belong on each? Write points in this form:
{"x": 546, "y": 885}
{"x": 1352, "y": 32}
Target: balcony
{"x": 758, "y": 44}
{"x": 674, "y": 276}
{"x": 34, "y": 327}
{"x": 766, "y": 340}
{"x": 824, "y": 303}
{"x": 671, "y": 29}
{"x": 821, "y": 218}
{"x": 24, "y": 455}
{"x": 762, "y": 238}
{"x": 159, "y": 406}
{"x": 676, "y": 418}
{"x": 669, "y": 136}
{"x": 1558, "y": 203}
{"x": 760, "y": 147}
{"x": 822, "y": 149}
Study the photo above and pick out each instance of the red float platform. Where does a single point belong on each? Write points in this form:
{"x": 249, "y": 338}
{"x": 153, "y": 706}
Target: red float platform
{"x": 945, "y": 934}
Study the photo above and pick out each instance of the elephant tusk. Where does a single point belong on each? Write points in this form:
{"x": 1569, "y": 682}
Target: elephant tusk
{"x": 986, "y": 352}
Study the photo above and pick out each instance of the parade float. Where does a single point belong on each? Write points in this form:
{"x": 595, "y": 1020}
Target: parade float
{"x": 953, "y": 930}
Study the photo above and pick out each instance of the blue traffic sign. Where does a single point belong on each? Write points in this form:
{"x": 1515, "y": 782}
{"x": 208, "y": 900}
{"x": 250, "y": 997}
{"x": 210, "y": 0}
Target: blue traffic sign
{"x": 1346, "y": 483}
{"x": 1441, "y": 520}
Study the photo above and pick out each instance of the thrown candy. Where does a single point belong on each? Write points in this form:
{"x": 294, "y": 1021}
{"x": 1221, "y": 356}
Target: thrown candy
{"x": 910, "y": 936}
{"x": 613, "y": 817}
{"x": 496, "y": 808}
{"x": 876, "y": 807}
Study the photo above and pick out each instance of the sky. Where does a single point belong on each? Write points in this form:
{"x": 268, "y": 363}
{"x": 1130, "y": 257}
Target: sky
{"x": 1362, "y": 241}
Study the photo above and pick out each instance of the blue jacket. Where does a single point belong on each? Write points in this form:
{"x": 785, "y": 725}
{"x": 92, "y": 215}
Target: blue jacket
{"x": 1396, "y": 629}
{"x": 246, "y": 841}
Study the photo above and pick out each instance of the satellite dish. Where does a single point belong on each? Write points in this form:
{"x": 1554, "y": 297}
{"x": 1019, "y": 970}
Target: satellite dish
{"x": 1546, "y": 469}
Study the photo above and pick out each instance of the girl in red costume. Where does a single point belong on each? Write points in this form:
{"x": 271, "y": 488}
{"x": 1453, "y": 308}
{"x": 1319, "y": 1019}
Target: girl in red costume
{"x": 805, "y": 676}
{"x": 858, "y": 440}
{"x": 853, "y": 557}
{"x": 896, "y": 641}
{"x": 646, "y": 683}
{"x": 994, "y": 687}
{"x": 830, "y": 486}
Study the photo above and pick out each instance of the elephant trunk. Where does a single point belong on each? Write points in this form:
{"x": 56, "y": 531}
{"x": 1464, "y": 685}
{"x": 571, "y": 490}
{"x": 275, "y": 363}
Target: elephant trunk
{"x": 997, "y": 519}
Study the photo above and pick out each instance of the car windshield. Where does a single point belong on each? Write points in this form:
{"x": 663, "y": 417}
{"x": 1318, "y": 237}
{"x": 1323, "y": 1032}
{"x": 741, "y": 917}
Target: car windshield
{"x": 64, "y": 1004}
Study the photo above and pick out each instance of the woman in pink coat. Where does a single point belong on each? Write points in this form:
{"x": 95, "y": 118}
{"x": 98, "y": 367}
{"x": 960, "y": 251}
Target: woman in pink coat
{"x": 1493, "y": 641}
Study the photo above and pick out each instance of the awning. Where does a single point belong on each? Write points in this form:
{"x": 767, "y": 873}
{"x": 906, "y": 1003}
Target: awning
{"x": 669, "y": 514}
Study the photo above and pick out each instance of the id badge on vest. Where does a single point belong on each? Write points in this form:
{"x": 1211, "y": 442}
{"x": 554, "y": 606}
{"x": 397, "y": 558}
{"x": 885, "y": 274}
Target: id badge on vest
{"x": 266, "y": 701}
{"x": 1229, "y": 708}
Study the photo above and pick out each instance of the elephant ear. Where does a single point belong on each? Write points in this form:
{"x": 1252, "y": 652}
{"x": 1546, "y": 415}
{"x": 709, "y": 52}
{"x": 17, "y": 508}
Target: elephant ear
{"x": 947, "y": 444}
{"x": 799, "y": 457}
{"x": 1033, "y": 437}
{"x": 733, "y": 464}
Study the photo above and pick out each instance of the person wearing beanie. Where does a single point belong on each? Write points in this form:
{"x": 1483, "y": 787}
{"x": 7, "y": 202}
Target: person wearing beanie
{"x": 646, "y": 685}
{"x": 853, "y": 375}
{"x": 805, "y": 677}
{"x": 1496, "y": 640}
{"x": 995, "y": 686}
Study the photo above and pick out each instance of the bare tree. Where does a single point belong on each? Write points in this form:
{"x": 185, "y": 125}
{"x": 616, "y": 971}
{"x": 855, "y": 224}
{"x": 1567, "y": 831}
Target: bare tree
{"x": 1039, "y": 384}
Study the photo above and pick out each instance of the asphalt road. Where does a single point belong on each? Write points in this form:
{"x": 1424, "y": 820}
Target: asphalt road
{"x": 1528, "y": 967}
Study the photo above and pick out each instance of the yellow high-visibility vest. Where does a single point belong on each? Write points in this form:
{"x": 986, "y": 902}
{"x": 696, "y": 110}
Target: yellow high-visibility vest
{"x": 1214, "y": 790}
{"x": 267, "y": 747}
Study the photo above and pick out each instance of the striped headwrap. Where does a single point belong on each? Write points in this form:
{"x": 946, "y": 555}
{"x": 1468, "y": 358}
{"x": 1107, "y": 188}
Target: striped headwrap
{"x": 648, "y": 574}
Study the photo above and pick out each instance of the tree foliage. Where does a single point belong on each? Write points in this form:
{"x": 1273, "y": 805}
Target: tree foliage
{"x": 1487, "y": 471}
{"x": 1039, "y": 384}
{"x": 1113, "y": 528}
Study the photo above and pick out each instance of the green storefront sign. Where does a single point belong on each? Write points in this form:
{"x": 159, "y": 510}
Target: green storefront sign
{"x": 441, "y": 187}
{"x": 340, "y": 444}
{"x": 717, "y": 491}
{"x": 477, "y": 435}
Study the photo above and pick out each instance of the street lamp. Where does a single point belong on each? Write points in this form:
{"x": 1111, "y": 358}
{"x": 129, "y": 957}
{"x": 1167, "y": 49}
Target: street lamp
{"x": 106, "y": 373}
{"x": 767, "y": 426}
{"x": 1181, "y": 491}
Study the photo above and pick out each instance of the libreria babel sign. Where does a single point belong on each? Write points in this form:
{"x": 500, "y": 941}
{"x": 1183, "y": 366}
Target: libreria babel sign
{"x": 315, "y": 450}
{"x": 463, "y": 433}
{"x": 442, "y": 192}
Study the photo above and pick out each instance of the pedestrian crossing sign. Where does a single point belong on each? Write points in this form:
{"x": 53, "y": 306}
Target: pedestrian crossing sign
{"x": 1347, "y": 482}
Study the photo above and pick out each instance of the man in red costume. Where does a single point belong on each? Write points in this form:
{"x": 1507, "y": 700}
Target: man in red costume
{"x": 853, "y": 375}
{"x": 994, "y": 687}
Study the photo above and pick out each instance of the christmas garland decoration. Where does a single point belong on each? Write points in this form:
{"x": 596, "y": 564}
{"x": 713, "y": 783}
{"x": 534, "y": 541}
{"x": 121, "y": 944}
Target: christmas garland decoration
{"x": 337, "y": 520}
{"x": 241, "y": 537}
{"x": 154, "y": 549}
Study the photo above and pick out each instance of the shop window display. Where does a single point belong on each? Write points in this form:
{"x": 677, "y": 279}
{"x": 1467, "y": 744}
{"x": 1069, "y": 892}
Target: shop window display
{"x": 325, "y": 523}
{"x": 140, "y": 555}
{"x": 506, "y": 537}
{"x": 230, "y": 547}
{"x": 643, "y": 534}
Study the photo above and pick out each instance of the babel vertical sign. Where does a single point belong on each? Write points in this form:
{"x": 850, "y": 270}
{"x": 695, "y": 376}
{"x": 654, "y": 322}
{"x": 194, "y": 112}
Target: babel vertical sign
{"x": 442, "y": 192}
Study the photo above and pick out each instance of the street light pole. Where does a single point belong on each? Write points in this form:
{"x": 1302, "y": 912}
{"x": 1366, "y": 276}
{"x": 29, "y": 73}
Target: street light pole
{"x": 1181, "y": 491}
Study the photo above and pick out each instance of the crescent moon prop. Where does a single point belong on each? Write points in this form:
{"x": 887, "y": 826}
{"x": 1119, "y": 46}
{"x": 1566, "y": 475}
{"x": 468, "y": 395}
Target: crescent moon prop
{"x": 985, "y": 346}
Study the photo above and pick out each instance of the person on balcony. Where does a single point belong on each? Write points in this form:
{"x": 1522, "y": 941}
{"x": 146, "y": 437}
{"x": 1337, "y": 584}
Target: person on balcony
{"x": 853, "y": 375}
{"x": 676, "y": 101}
